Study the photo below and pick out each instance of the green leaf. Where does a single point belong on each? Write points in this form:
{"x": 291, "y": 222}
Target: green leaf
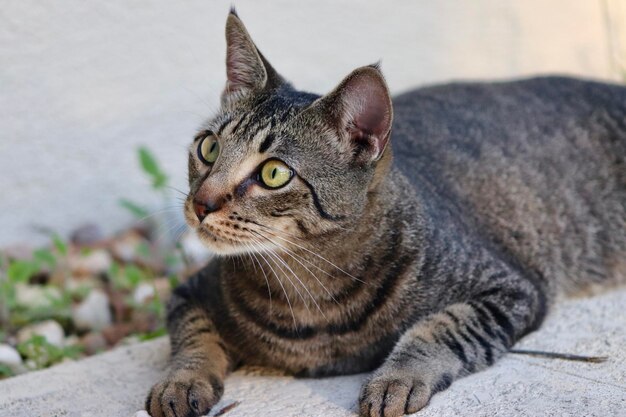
{"x": 44, "y": 354}
{"x": 133, "y": 275}
{"x": 115, "y": 274}
{"x": 45, "y": 256}
{"x": 143, "y": 249}
{"x": 5, "y": 371}
{"x": 20, "y": 271}
{"x": 174, "y": 281}
{"x": 172, "y": 259}
{"x": 59, "y": 245}
{"x": 80, "y": 292}
{"x": 7, "y": 294}
{"x": 151, "y": 167}
{"x": 153, "y": 334}
{"x": 135, "y": 209}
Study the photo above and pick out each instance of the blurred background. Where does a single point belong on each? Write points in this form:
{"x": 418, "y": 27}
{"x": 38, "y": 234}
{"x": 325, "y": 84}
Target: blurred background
{"x": 83, "y": 84}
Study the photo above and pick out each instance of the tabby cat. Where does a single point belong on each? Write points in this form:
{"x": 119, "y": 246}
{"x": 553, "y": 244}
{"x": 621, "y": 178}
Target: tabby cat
{"x": 426, "y": 266}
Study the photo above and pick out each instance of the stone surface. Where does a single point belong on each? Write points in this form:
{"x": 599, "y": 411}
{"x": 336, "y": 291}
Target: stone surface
{"x": 115, "y": 383}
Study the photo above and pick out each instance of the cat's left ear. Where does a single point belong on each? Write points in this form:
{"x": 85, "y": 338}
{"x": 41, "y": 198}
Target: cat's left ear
{"x": 247, "y": 70}
{"x": 361, "y": 111}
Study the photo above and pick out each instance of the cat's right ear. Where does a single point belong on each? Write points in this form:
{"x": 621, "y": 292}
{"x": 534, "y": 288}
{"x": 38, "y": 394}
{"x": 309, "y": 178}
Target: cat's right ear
{"x": 360, "y": 110}
{"x": 247, "y": 70}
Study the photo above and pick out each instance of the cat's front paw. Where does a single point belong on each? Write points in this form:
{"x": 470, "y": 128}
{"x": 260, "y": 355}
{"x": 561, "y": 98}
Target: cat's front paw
{"x": 184, "y": 393}
{"x": 396, "y": 393}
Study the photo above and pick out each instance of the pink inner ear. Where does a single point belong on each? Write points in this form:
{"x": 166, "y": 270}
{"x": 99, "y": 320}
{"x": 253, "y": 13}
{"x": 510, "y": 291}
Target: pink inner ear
{"x": 367, "y": 111}
{"x": 237, "y": 77}
{"x": 241, "y": 68}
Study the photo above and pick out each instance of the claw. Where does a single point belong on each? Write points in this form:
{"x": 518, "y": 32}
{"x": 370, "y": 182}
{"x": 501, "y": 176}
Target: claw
{"x": 184, "y": 394}
{"x": 393, "y": 396}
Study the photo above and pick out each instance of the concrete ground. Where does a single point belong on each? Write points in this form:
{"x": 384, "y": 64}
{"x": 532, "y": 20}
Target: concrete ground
{"x": 115, "y": 383}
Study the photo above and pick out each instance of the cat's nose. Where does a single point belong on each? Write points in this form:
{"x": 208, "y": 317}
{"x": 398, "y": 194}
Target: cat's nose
{"x": 202, "y": 208}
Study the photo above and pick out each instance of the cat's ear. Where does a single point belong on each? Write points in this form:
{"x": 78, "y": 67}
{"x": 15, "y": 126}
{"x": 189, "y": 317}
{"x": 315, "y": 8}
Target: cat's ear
{"x": 361, "y": 111}
{"x": 247, "y": 70}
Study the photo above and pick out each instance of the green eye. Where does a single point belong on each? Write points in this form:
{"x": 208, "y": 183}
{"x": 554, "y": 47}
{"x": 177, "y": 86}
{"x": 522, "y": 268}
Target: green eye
{"x": 275, "y": 174}
{"x": 208, "y": 150}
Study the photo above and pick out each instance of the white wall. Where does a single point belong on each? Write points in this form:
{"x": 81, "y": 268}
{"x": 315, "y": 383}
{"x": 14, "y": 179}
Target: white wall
{"x": 83, "y": 83}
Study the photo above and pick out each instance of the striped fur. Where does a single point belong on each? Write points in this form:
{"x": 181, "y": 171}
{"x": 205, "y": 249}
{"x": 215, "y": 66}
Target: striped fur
{"x": 422, "y": 268}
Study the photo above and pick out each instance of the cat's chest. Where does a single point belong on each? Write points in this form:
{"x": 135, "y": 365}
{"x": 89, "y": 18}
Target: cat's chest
{"x": 317, "y": 355}
{"x": 350, "y": 344}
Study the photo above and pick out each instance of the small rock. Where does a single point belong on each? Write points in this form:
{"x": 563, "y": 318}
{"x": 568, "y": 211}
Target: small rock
{"x": 88, "y": 234}
{"x": 125, "y": 246}
{"x": 130, "y": 340}
{"x": 72, "y": 340}
{"x": 163, "y": 288}
{"x": 67, "y": 360}
{"x": 121, "y": 309}
{"x": 36, "y": 296}
{"x": 115, "y": 333}
{"x": 93, "y": 342}
{"x": 144, "y": 321}
{"x": 143, "y": 293}
{"x": 80, "y": 286}
{"x": 94, "y": 263}
{"x": 50, "y": 329}
{"x": 93, "y": 313}
{"x": 11, "y": 358}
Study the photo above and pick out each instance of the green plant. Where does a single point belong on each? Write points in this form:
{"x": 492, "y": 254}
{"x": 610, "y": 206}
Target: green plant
{"x": 5, "y": 371}
{"x": 39, "y": 353}
{"x": 19, "y": 271}
{"x": 151, "y": 167}
{"x": 134, "y": 208}
{"x": 158, "y": 178}
{"x": 161, "y": 331}
{"x": 59, "y": 244}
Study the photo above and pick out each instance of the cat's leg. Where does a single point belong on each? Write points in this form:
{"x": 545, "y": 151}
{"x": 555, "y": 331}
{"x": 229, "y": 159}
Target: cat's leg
{"x": 199, "y": 360}
{"x": 463, "y": 338}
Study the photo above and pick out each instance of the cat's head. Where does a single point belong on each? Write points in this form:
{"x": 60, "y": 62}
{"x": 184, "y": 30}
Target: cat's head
{"x": 280, "y": 167}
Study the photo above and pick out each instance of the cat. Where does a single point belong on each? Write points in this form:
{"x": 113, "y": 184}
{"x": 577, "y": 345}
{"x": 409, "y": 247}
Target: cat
{"x": 422, "y": 265}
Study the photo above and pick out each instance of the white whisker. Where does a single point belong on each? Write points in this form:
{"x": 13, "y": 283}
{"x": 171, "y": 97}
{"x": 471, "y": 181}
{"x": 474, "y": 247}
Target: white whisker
{"x": 295, "y": 258}
{"x": 313, "y": 253}
{"x": 254, "y": 258}
{"x": 295, "y": 325}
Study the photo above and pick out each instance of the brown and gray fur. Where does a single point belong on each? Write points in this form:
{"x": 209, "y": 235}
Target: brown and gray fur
{"x": 424, "y": 266}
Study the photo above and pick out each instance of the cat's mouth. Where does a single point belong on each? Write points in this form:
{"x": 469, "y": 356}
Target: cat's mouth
{"x": 231, "y": 234}
{"x": 222, "y": 241}
{"x": 226, "y": 238}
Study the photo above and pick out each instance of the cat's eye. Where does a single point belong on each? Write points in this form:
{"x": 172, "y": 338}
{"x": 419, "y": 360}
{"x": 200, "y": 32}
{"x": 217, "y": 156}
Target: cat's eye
{"x": 275, "y": 173}
{"x": 208, "y": 150}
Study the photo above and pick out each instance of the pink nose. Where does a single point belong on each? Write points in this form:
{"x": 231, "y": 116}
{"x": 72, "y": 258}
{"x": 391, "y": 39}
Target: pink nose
{"x": 203, "y": 208}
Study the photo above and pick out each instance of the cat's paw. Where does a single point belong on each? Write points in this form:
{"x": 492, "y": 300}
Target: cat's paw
{"x": 184, "y": 393}
{"x": 392, "y": 395}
